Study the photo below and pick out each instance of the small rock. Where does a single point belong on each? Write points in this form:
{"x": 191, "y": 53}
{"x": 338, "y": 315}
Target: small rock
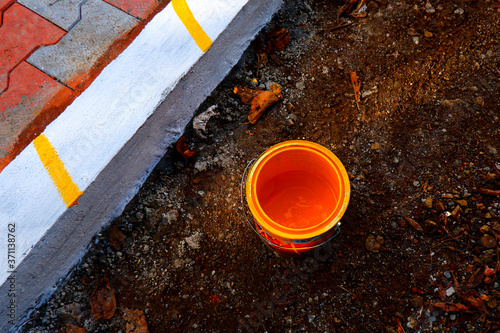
{"x": 492, "y": 150}
{"x": 450, "y": 291}
{"x": 459, "y": 11}
{"x": 375, "y": 146}
{"x": 462, "y": 203}
{"x": 488, "y": 241}
{"x": 428, "y": 34}
{"x": 194, "y": 240}
{"x": 449, "y": 103}
{"x": 300, "y": 85}
{"x": 429, "y": 9}
{"x": 416, "y": 183}
{"x": 447, "y": 274}
{"x": 428, "y": 202}
{"x": 372, "y": 244}
{"x": 456, "y": 211}
{"x": 170, "y": 217}
{"x": 412, "y": 323}
{"x": 485, "y": 229}
{"x": 380, "y": 240}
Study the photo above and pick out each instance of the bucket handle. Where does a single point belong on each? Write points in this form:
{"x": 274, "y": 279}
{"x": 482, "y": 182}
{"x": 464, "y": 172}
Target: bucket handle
{"x": 245, "y": 213}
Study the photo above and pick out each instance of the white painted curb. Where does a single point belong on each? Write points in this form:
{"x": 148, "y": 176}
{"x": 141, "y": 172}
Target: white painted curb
{"x": 89, "y": 133}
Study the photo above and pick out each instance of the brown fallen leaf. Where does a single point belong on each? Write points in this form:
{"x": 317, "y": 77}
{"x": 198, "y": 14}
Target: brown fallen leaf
{"x": 73, "y": 329}
{"x": 451, "y": 307}
{"x": 246, "y": 94}
{"x": 400, "y": 328}
{"x": 356, "y": 85}
{"x": 136, "y": 321}
{"x": 116, "y": 238}
{"x": 183, "y": 148}
{"x": 476, "y": 278}
{"x": 278, "y": 40}
{"x": 260, "y": 101}
{"x": 413, "y": 223}
{"x": 475, "y": 300}
{"x": 103, "y": 301}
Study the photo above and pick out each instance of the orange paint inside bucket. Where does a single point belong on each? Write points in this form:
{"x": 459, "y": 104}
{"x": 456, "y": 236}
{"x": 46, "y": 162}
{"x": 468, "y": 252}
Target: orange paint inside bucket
{"x": 297, "y": 191}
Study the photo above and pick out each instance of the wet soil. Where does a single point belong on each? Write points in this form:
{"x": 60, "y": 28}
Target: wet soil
{"x": 418, "y": 245}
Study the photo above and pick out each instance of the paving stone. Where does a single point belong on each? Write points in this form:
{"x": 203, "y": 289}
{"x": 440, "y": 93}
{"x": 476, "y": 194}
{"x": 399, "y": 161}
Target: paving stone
{"x": 74, "y": 55}
{"x": 4, "y": 4}
{"x": 137, "y": 8}
{"x": 63, "y": 13}
{"x": 22, "y": 103}
{"x": 22, "y": 32}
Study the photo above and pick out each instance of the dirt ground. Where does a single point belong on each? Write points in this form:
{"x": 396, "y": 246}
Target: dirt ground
{"x": 418, "y": 245}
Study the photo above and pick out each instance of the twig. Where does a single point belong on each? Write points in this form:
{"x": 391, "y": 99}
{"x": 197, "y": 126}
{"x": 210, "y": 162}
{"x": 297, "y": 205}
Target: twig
{"x": 339, "y": 26}
{"x": 488, "y": 192}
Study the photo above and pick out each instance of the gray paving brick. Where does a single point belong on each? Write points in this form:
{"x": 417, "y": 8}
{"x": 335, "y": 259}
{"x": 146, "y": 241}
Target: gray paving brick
{"x": 75, "y": 54}
{"x": 63, "y": 13}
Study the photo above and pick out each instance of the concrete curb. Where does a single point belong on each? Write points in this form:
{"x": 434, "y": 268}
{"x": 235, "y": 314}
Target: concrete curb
{"x": 49, "y": 258}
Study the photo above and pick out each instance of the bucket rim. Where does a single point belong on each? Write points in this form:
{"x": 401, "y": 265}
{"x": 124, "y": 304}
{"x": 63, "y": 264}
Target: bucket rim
{"x": 281, "y": 231}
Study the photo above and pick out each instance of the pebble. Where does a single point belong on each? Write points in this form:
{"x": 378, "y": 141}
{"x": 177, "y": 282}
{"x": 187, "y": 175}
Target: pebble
{"x": 488, "y": 241}
{"x": 428, "y": 202}
{"x": 450, "y": 291}
{"x": 429, "y": 9}
{"x": 372, "y": 244}
{"x": 412, "y": 323}
{"x": 459, "y": 11}
{"x": 447, "y": 274}
{"x": 194, "y": 240}
{"x": 170, "y": 217}
{"x": 375, "y": 146}
{"x": 300, "y": 85}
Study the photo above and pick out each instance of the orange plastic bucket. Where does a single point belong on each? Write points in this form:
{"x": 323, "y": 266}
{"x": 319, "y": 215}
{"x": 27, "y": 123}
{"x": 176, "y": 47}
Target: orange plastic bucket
{"x": 297, "y": 192}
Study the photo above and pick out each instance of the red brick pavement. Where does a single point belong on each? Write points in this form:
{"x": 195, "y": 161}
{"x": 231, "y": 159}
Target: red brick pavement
{"x": 137, "y": 8}
{"x": 21, "y": 33}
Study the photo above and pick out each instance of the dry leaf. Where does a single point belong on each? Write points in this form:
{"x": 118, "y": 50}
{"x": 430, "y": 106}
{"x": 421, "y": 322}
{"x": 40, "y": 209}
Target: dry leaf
{"x": 246, "y": 94}
{"x": 103, "y": 301}
{"x": 136, "y": 321}
{"x": 73, "y": 329}
{"x": 116, "y": 238}
{"x": 260, "y": 101}
{"x": 413, "y": 223}
{"x": 183, "y": 148}
{"x": 476, "y": 302}
{"x": 356, "y": 85}
{"x": 451, "y": 307}
{"x": 476, "y": 278}
{"x": 278, "y": 40}
{"x": 400, "y": 328}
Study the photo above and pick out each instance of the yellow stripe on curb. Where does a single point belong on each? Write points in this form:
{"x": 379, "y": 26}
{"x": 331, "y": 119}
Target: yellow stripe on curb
{"x": 67, "y": 189}
{"x": 182, "y": 10}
